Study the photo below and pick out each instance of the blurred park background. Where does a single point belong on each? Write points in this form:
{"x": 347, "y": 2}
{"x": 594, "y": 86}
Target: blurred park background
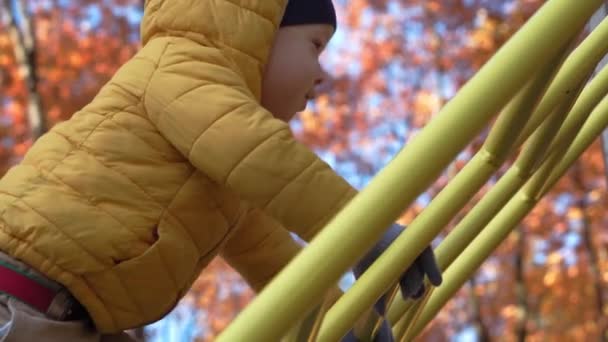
{"x": 394, "y": 63}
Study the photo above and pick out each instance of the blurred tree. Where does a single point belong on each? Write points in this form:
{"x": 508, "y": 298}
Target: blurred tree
{"x": 394, "y": 64}
{"x": 22, "y": 30}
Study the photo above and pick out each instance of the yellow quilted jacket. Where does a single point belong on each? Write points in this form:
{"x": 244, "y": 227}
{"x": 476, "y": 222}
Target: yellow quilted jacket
{"x": 172, "y": 163}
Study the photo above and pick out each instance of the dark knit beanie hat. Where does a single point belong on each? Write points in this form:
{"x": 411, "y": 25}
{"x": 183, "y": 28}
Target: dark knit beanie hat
{"x": 302, "y": 12}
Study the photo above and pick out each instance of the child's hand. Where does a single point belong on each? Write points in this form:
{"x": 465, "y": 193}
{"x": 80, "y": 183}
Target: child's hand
{"x": 412, "y": 281}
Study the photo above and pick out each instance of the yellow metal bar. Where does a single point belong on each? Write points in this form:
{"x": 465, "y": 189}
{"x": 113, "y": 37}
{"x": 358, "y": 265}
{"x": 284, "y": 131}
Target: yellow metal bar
{"x": 516, "y": 209}
{"x": 493, "y": 153}
{"x": 546, "y": 134}
{"x": 592, "y": 128}
{"x": 292, "y": 294}
{"x": 534, "y": 152}
{"x": 377, "y": 321}
{"x": 466, "y": 230}
{"x": 401, "y": 327}
{"x": 577, "y": 67}
{"x": 473, "y": 256}
{"x": 451, "y": 199}
{"x": 414, "y": 318}
{"x": 588, "y": 99}
{"x": 307, "y": 330}
{"x": 538, "y": 145}
{"x": 508, "y": 126}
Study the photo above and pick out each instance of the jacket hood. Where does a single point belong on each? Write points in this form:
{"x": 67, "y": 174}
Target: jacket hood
{"x": 243, "y": 29}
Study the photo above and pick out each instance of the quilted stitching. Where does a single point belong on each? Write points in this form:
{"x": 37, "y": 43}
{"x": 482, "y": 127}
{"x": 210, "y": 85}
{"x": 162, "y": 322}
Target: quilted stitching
{"x": 219, "y": 133}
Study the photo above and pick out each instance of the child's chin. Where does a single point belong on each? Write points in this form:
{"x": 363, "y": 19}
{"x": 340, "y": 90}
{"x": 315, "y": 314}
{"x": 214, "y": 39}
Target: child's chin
{"x": 285, "y": 117}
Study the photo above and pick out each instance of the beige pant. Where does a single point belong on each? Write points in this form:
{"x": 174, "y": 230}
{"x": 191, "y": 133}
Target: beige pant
{"x": 20, "y": 322}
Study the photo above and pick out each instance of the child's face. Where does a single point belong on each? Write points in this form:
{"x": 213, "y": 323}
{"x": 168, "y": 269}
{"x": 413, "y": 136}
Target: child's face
{"x": 293, "y": 69}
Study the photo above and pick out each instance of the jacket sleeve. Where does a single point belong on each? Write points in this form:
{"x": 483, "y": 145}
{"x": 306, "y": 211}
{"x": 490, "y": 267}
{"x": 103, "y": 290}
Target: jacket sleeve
{"x": 201, "y": 105}
{"x": 260, "y": 249}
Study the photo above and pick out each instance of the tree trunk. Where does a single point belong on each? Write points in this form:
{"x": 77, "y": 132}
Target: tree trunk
{"x": 477, "y": 322}
{"x": 22, "y": 32}
{"x": 520, "y": 287}
{"x": 594, "y": 259}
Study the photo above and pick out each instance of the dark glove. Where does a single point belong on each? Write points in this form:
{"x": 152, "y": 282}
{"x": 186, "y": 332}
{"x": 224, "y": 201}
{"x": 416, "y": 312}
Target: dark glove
{"x": 412, "y": 281}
